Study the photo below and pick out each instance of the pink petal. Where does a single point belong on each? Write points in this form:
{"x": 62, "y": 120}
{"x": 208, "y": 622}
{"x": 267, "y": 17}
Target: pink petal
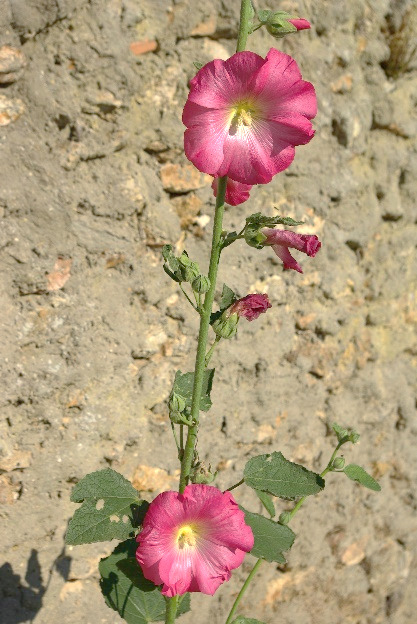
{"x": 300, "y": 23}
{"x": 204, "y": 139}
{"x": 219, "y": 82}
{"x": 286, "y": 257}
{"x": 308, "y": 243}
{"x": 236, "y": 193}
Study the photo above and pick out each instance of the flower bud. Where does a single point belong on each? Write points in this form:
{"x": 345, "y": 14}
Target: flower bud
{"x": 226, "y": 327}
{"x": 254, "y": 237}
{"x": 285, "y": 517}
{"x": 281, "y": 23}
{"x": 201, "y": 284}
{"x": 338, "y": 463}
{"x": 354, "y": 437}
{"x": 190, "y": 272}
{"x": 184, "y": 260}
{"x": 176, "y": 403}
{"x": 201, "y": 474}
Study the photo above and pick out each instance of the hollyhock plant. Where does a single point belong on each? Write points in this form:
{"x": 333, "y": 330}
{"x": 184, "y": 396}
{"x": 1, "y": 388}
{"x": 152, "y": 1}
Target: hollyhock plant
{"x": 245, "y": 115}
{"x": 190, "y": 542}
{"x": 281, "y": 240}
{"x": 300, "y": 23}
{"x": 251, "y": 306}
{"x": 236, "y": 192}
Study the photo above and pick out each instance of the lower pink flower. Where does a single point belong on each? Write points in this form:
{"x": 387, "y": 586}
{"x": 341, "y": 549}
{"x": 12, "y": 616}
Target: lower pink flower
{"x": 236, "y": 192}
{"x": 250, "y": 306}
{"x": 190, "y": 542}
{"x": 281, "y": 240}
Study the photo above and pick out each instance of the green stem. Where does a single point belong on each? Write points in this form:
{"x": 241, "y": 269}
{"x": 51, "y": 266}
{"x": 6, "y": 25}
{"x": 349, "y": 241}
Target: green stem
{"x": 243, "y": 590}
{"x": 188, "y": 298}
{"x": 235, "y": 485}
{"x": 244, "y": 26}
{"x": 171, "y": 610}
{"x": 202, "y": 335}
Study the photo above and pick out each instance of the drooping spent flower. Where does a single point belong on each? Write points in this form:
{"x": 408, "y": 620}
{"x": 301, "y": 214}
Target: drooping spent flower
{"x": 250, "y": 307}
{"x": 236, "y": 192}
{"x": 282, "y": 240}
{"x": 190, "y": 542}
{"x": 245, "y": 115}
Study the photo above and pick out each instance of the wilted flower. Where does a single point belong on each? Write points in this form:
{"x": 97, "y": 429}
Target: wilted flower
{"x": 250, "y": 306}
{"x": 281, "y": 240}
{"x": 190, "y": 542}
{"x": 236, "y": 192}
{"x": 245, "y": 115}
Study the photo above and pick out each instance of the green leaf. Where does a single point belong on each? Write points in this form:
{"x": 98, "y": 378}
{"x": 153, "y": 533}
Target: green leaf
{"x": 258, "y": 220}
{"x": 198, "y": 65}
{"x": 359, "y": 474}
{"x": 125, "y": 589}
{"x": 267, "y": 502}
{"x": 228, "y": 297}
{"x": 276, "y": 475}
{"x": 110, "y": 508}
{"x": 244, "y": 620}
{"x": 271, "y": 538}
{"x": 183, "y": 385}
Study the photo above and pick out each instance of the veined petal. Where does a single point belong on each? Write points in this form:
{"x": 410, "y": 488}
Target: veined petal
{"x": 204, "y": 139}
{"x": 219, "y": 83}
{"x": 284, "y": 255}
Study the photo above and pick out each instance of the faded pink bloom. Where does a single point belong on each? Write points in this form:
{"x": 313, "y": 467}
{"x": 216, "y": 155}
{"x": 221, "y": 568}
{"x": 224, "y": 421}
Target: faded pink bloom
{"x": 281, "y": 240}
{"x": 191, "y": 541}
{"x": 250, "y": 306}
{"x": 236, "y": 192}
{"x": 300, "y": 23}
{"x": 245, "y": 115}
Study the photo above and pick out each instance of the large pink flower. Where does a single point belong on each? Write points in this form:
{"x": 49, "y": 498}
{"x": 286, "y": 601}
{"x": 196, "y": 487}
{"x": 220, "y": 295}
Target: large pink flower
{"x": 245, "y": 115}
{"x": 281, "y": 240}
{"x": 191, "y": 541}
{"x": 236, "y": 193}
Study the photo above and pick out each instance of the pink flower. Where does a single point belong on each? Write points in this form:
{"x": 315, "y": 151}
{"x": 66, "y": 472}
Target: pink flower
{"x": 250, "y": 306}
{"x": 281, "y": 240}
{"x": 245, "y": 115}
{"x": 191, "y": 541}
{"x": 300, "y": 23}
{"x": 236, "y": 192}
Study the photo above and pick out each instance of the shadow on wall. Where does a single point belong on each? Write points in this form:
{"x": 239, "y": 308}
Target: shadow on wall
{"x": 20, "y": 603}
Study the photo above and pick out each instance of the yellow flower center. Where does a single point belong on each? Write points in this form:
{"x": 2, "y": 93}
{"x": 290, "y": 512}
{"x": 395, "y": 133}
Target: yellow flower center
{"x": 186, "y": 536}
{"x": 241, "y": 115}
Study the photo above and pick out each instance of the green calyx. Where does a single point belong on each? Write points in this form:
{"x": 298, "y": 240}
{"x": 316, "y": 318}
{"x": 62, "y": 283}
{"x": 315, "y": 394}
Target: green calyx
{"x": 226, "y": 327}
{"x": 254, "y": 237}
{"x": 200, "y": 284}
{"x": 338, "y": 463}
{"x": 277, "y": 22}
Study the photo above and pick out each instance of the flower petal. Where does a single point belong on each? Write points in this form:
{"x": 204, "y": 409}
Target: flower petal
{"x": 236, "y": 193}
{"x": 205, "y": 136}
{"x": 220, "y": 82}
{"x": 284, "y": 254}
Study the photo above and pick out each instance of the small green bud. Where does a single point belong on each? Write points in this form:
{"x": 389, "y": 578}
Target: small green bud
{"x": 285, "y": 517}
{"x": 202, "y": 474}
{"x": 226, "y": 327}
{"x": 201, "y": 284}
{"x": 280, "y": 28}
{"x": 176, "y": 417}
{"x": 184, "y": 260}
{"x": 191, "y": 272}
{"x": 176, "y": 403}
{"x": 354, "y": 437}
{"x": 338, "y": 463}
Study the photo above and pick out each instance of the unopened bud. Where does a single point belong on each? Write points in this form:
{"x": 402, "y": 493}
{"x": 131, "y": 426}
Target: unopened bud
{"x": 176, "y": 403}
{"x": 184, "y": 260}
{"x": 190, "y": 272}
{"x": 254, "y": 237}
{"x": 338, "y": 463}
{"x": 354, "y": 437}
{"x": 226, "y": 327}
{"x": 285, "y": 517}
{"x": 201, "y": 284}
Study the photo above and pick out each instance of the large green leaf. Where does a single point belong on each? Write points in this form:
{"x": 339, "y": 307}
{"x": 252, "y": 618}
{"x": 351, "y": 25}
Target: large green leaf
{"x": 359, "y": 474}
{"x": 183, "y": 385}
{"x": 271, "y": 538}
{"x": 110, "y": 508}
{"x": 125, "y": 589}
{"x": 276, "y": 475}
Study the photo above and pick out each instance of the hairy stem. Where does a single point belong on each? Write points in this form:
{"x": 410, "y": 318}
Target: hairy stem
{"x": 171, "y": 610}
{"x": 246, "y": 11}
{"x": 202, "y": 336}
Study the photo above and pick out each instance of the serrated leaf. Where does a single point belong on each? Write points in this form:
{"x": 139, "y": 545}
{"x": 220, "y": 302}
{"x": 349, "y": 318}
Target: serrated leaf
{"x": 287, "y": 220}
{"x": 258, "y": 220}
{"x": 267, "y": 502}
{"x": 110, "y": 508}
{"x": 359, "y": 474}
{"x": 183, "y": 385}
{"x": 244, "y": 620}
{"x": 276, "y": 475}
{"x": 271, "y": 538}
{"x": 125, "y": 589}
{"x": 198, "y": 65}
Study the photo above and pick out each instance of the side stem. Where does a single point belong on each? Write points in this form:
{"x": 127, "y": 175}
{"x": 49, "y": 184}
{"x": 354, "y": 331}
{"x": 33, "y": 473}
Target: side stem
{"x": 243, "y": 590}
